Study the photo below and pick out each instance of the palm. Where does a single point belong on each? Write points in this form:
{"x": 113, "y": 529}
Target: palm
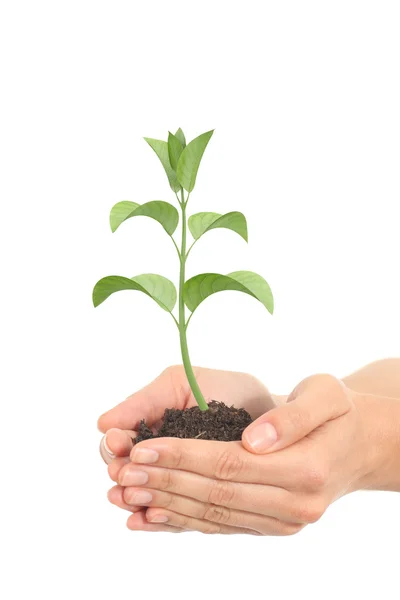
{"x": 171, "y": 390}
{"x": 238, "y": 389}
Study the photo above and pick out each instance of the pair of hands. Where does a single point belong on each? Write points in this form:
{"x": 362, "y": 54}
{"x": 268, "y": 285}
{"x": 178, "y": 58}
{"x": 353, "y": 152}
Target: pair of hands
{"x": 295, "y": 459}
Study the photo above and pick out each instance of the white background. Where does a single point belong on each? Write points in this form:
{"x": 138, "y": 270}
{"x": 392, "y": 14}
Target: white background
{"x": 304, "y": 97}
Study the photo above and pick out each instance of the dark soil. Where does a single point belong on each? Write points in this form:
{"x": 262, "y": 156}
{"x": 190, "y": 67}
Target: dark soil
{"x": 220, "y": 422}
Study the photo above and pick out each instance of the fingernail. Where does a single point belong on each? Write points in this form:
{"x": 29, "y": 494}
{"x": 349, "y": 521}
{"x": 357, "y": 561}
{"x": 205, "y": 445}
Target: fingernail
{"x": 131, "y": 477}
{"x": 262, "y": 437}
{"x": 106, "y": 447}
{"x": 144, "y": 456}
{"x": 139, "y": 497}
{"x": 159, "y": 519}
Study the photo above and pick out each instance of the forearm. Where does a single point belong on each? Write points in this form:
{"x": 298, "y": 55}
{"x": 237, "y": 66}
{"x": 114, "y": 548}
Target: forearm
{"x": 380, "y": 418}
{"x": 377, "y": 396}
{"x": 381, "y": 378}
{"x": 378, "y": 400}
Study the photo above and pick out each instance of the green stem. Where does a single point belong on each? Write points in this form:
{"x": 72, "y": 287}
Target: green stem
{"x": 188, "y": 321}
{"x": 182, "y": 318}
{"x": 175, "y": 244}
{"x": 187, "y": 253}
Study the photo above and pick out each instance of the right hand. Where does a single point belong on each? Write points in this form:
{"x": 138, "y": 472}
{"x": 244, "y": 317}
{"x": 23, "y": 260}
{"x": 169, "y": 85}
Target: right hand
{"x": 293, "y": 462}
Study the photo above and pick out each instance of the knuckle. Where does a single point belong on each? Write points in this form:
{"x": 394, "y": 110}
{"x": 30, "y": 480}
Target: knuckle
{"x": 336, "y": 389}
{"x": 287, "y": 529}
{"x": 316, "y": 509}
{"x": 308, "y": 511}
{"x": 317, "y": 476}
{"x": 176, "y": 457}
{"x": 217, "y": 514}
{"x": 166, "y": 501}
{"x": 166, "y": 480}
{"x": 221, "y": 493}
{"x": 228, "y": 466}
{"x": 326, "y": 380}
{"x": 210, "y": 528}
{"x": 184, "y": 521}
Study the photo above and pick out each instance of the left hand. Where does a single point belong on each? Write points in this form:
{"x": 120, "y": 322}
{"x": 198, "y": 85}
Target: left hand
{"x": 171, "y": 389}
{"x": 319, "y": 452}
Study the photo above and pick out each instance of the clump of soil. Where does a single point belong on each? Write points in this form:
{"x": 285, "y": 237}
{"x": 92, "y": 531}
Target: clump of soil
{"x": 220, "y": 422}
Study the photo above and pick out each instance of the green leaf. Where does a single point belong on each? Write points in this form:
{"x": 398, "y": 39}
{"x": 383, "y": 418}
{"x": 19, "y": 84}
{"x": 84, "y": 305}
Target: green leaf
{"x": 198, "y": 288}
{"x": 189, "y": 161}
{"x": 175, "y": 148}
{"x": 160, "y": 211}
{"x": 202, "y": 222}
{"x": 161, "y": 149}
{"x": 181, "y": 137}
{"x": 159, "y": 288}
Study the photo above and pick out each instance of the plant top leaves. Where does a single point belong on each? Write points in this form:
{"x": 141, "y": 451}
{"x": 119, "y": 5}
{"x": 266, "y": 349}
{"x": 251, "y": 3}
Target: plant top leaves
{"x": 161, "y": 149}
{"x": 160, "y": 211}
{"x": 190, "y": 159}
{"x": 202, "y": 222}
{"x": 159, "y": 288}
{"x": 198, "y": 288}
{"x": 181, "y": 137}
{"x": 175, "y": 148}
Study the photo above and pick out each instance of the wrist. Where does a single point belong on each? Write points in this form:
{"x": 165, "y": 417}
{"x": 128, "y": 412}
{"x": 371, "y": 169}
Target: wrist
{"x": 380, "y": 426}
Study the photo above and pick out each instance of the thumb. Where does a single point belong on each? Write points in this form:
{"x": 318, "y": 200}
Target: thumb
{"x": 314, "y": 401}
{"x": 148, "y": 403}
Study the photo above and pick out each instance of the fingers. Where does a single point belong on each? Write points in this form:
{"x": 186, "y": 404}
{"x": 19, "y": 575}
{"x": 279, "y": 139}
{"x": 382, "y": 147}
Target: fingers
{"x": 115, "y": 467}
{"x": 315, "y": 401}
{"x": 119, "y": 442}
{"x": 170, "y": 488}
{"x": 139, "y": 522}
{"x": 159, "y": 519}
{"x": 164, "y": 503}
{"x": 184, "y": 522}
{"x": 149, "y": 404}
{"x": 251, "y": 524}
{"x": 116, "y": 496}
{"x": 227, "y": 461}
{"x": 116, "y": 443}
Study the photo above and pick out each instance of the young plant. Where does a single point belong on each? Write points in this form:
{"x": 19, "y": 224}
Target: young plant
{"x": 181, "y": 163}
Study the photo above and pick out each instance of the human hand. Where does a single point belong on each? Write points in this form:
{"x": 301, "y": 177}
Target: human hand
{"x": 321, "y": 450}
{"x": 169, "y": 390}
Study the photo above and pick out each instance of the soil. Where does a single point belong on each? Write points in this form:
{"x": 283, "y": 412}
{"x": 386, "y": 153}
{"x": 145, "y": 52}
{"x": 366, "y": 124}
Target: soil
{"x": 220, "y": 422}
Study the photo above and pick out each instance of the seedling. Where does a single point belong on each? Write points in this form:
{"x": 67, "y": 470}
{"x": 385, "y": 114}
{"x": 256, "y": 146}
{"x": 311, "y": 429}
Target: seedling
{"x": 181, "y": 163}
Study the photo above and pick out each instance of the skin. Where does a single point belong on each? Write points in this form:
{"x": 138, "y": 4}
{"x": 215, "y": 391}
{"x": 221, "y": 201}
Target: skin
{"x": 286, "y": 471}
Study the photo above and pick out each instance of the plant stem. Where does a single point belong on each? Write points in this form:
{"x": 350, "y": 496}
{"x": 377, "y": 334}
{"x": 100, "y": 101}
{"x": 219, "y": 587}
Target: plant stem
{"x": 175, "y": 244}
{"x": 182, "y": 318}
{"x": 187, "y": 253}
